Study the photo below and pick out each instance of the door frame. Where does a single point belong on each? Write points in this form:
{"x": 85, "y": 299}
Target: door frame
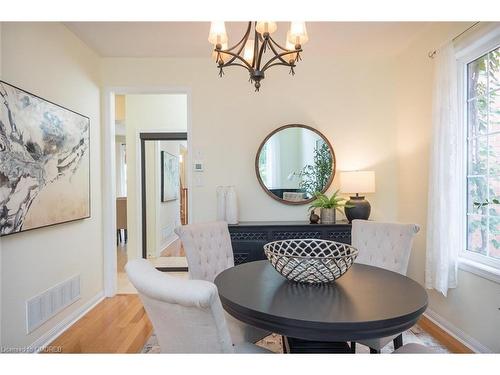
{"x": 109, "y": 175}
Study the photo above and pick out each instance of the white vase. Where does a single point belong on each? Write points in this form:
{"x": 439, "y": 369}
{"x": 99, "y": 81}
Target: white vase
{"x": 231, "y": 205}
{"x": 221, "y": 203}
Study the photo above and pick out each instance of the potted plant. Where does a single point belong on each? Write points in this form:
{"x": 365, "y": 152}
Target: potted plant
{"x": 328, "y": 206}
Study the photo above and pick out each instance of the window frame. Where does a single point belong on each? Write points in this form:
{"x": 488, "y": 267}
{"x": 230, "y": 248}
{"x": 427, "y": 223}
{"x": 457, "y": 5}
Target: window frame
{"x": 481, "y": 265}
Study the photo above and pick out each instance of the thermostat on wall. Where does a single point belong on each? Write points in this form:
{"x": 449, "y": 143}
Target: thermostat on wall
{"x": 198, "y": 166}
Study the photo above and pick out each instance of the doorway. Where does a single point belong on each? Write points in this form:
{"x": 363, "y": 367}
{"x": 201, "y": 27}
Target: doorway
{"x": 164, "y": 198}
{"x": 137, "y": 124}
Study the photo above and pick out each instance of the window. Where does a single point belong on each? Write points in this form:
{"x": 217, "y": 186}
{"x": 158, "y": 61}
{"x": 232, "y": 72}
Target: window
{"x": 483, "y": 158}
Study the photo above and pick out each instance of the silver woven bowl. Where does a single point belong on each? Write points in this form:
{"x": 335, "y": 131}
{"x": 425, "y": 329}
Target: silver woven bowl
{"x": 310, "y": 261}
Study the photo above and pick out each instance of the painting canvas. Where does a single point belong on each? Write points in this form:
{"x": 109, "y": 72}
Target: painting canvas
{"x": 169, "y": 177}
{"x": 44, "y": 162}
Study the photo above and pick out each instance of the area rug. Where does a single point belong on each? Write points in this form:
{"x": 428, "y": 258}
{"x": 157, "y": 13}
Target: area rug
{"x": 273, "y": 343}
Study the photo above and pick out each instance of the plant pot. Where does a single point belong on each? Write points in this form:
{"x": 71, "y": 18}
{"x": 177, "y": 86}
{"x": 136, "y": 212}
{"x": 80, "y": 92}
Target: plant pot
{"x": 328, "y": 216}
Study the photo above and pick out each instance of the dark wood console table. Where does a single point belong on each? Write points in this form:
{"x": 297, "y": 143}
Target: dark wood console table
{"x": 249, "y": 237}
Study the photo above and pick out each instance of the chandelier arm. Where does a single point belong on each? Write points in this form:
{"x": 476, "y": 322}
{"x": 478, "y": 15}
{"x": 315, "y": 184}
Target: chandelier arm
{"x": 278, "y": 45}
{"x": 255, "y": 46}
{"x": 235, "y": 57}
{"x": 261, "y": 53}
{"x": 279, "y": 63}
{"x": 241, "y": 44}
{"x": 235, "y": 64}
{"x": 280, "y": 57}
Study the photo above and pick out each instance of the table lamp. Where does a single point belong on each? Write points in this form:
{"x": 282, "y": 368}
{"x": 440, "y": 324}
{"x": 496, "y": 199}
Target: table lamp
{"x": 357, "y": 182}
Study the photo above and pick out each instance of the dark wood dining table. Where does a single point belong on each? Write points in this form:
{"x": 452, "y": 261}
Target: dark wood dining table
{"x": 366, "y": 303}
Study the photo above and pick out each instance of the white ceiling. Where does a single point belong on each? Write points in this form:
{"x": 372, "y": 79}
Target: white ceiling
{"x": 189, "y": 39}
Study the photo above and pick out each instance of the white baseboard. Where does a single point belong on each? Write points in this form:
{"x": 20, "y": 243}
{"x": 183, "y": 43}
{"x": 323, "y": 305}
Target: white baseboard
{"x": 67, "y": 322}
{"x": 456, "y": 332}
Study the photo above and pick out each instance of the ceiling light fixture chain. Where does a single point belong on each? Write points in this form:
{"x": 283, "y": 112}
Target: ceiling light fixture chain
{"x": 249, "y": 54}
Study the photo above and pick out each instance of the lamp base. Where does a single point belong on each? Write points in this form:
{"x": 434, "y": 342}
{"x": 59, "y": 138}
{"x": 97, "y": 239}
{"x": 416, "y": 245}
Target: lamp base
{"x": 361, "y": 209}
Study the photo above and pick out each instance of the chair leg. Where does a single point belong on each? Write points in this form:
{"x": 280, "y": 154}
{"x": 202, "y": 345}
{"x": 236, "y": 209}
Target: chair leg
{"x": 398, "y": 342}
{"x": 353, "y": 347}
{"x": 126, "y": 235}
{"x": 374, "y": 351}
{"x": 284, "y": 344}
{"x": 118, "y": 236}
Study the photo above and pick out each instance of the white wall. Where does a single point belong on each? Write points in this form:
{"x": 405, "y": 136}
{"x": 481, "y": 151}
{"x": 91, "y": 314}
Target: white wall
{"x": 151, "y": 151}
{"x": 349, "y": 99}
{"x": 473, "y": 306}
{"x": 151, "y": 112}
{"x": 48, "y": 60}
{"x": 119, "y": 140}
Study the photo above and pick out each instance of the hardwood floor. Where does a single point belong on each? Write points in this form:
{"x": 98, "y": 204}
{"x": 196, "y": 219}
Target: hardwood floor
{"x": 445, "y": 339}
{"x": 120, "y": 325}
{"x": 116, "y": 325}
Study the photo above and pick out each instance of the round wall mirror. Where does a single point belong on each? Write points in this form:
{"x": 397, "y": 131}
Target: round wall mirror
{"x": 294, "y": 162}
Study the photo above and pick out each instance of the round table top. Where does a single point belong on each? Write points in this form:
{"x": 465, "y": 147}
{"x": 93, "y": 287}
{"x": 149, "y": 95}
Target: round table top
{"x": 367, "y": 302}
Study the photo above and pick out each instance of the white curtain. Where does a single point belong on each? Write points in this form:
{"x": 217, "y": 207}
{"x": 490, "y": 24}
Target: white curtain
{"x": 444, "y": 205}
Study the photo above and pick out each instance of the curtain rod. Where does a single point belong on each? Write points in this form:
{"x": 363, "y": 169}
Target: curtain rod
{"x": 434, "y": 52}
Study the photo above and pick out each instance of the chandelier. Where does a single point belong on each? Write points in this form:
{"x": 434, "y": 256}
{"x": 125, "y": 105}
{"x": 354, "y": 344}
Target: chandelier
{"x": 249, "y": 53}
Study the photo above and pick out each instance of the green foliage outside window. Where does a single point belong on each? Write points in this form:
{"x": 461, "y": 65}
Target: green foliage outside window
{"x": 313, "y": 178}
{"x": 483, "y": 182}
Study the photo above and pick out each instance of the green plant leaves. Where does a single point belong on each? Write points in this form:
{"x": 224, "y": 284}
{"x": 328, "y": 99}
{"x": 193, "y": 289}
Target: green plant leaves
{"x": 322, "y": 201}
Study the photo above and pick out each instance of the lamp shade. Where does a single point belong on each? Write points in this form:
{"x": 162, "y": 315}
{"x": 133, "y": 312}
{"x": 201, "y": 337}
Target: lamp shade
{"x": 266, "y": 26}
{"x": 217, "y": 32}
{"x": 298, "y": 33}
{"x": 357, "y": 182}
{"x": 248, "y": 51}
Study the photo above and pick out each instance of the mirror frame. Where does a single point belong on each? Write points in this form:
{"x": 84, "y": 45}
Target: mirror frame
{"x": 264, "y": 187}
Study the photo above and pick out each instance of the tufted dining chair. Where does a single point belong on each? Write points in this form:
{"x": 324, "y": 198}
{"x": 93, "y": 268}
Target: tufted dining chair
{"x": 209, "y": 252}
{"x": 388, "y": 246}
{"x": 208, "y": 249}
{"x": 187, "y": 315}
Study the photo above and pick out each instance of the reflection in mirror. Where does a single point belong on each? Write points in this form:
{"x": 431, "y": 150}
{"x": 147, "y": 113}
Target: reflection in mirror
{"x": 295, "y": 162}
{"x": 166, "y": 201}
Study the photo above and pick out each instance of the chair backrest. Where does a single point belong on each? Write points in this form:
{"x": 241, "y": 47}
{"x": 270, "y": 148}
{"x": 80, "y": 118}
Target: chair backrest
{"x": 187, "y": 315}
{"x": 121, "y": 213}
{"x": 384, "y": 245}
{"x": 208, "y": 249}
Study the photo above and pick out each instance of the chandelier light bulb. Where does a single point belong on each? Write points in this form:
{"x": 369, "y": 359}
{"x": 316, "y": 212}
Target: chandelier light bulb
{"x": 217, "y": 34}
{"x": 248, "y": 52}
{"x": 291, "y": 47}
{"x": 298, "y": 33}
{"x": 266, "y": 26}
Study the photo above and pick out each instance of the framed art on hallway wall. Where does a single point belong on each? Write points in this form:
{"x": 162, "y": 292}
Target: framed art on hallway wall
{"x": 44, "y": 162}
{"x": 169, "y": 177}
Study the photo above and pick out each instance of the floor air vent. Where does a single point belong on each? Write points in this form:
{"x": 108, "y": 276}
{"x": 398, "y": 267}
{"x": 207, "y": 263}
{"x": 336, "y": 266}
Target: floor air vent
{"x": 44, "y": 306}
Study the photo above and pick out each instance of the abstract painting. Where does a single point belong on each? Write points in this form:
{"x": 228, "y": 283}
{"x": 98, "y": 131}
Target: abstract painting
{"x": 169, "y": 177}
{"x": 44, "y": 162}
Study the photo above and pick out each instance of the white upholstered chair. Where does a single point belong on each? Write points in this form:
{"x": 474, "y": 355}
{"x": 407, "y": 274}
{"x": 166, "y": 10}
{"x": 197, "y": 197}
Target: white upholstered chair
{"x": 384, "y": 245}
{"x": 187, "y": 315}
{"x": 209, "y": 252}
